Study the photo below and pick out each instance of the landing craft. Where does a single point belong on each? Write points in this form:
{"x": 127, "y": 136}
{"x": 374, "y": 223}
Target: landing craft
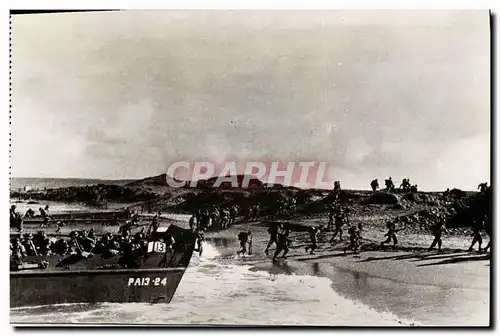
{"x": 154, "y": 279}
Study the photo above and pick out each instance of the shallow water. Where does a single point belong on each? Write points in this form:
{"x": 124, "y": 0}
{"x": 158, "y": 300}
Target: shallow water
{"x": 55, "y": 207}
{"x": 216, "y": 292}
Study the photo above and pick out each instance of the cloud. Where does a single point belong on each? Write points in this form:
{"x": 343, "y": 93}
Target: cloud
{"x": 124, "y": 94}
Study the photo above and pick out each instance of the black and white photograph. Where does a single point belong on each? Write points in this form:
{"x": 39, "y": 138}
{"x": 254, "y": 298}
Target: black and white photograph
{"x": 251, "y": 168}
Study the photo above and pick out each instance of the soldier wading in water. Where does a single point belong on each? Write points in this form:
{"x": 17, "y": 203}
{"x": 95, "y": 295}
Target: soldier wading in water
{"x": 245, "y": 239}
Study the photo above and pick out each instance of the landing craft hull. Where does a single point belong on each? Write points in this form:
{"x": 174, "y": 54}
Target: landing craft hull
{"x": 99, "y": 278}
{"x": 92, "y": 286}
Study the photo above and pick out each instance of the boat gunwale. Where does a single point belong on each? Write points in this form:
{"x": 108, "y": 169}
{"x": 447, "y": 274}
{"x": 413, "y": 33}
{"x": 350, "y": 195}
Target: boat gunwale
{"x": 36, "y": 272}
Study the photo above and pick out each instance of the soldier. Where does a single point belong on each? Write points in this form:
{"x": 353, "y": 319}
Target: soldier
{"x": 214, "y": 218}
{"x": 126, "y": 228}
{"x": 86, "y": 240}
{"x": 354, "y": 237}
{"x": 45, "y": 216}
{"x": 197, "y": 214}
{"x": 29, "y": 214}
{"x": 224, "y": 218}
{"x": 477, "y": 227}
{"x": 127, "y": 252}
{"x": 205, "y": 219}
{"x": 139, "y": 244}
{"x": 16, "y": 220}
{"x": 482, "y": 187}
{"x": 200, "y": 238}
{"x": 336, "y": 186}
{"x": 60, "y": 225}
{"x": 233, "y": 212}
{"x": 42, "y": 243}
{"x": 389, "y": 185}
{"x": 102, "y": 244}
{"x": 18, "y": 250}
{"x": 313, "y": 235}
{"x": 391, "y": 234}
{"x": 273, "y": 236}
{"x": 340, "y": 219}
{"x": 73, "y": 245}
{"x": 256, "y": 212}
{"x": 405, "y": 185}
{"x": 283, "y": 243}
{"x": 155, "y": 223}
{"x": 193, "y": 223}
{"x": 414, "y": 188}
{"x": 245, "y": 239}
{"x": 374, "y": 185}
{"x": 29, "y": 245}
{"x": 437, "y": 230}
{"x": 134, "y": 220}
{"x": 331, "y": 215}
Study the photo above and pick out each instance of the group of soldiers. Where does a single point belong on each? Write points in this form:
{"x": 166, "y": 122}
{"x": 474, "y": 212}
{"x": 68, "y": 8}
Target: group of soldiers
{"x": 405, "y": 186}
{"x": 338, "y": 218}
{"x": 438, "y": 228}
{"x": 16, "y": 219}
{"x": 279, "y": 233}
{"x": 213, "y": 217}
{"x": 85, "y": 244}
{"x": 81, "y": 242}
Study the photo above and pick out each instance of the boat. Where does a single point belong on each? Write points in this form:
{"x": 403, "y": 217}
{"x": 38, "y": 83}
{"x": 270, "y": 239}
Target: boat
{"x": 154, "y": 277}
{"x": 81, "y": 215}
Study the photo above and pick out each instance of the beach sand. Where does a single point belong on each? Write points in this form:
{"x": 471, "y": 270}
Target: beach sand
{"x": 451, "y": 288}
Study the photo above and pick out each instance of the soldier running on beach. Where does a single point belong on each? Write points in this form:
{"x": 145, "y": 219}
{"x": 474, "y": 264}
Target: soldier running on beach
{"x": 437, "y": 230}
{"x": 283, "y": 243}
{"x": 273, "y": 236}
{"x": 354, "y": 237}
{"x": 391, "y": 234}
{"x": 477, "y": 227}
{"x": 340, "y": 219}
{"x": 334, "y": 209}
{"x": 313, "y": 235}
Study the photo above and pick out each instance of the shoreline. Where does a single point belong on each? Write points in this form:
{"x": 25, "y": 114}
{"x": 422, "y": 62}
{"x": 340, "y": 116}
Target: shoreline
{"x": 429, "y": 288}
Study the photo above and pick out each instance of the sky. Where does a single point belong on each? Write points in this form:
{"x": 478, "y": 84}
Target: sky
{"x": 375, "y": 94}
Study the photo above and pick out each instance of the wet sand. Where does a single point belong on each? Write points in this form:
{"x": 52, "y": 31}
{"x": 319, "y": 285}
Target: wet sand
{"x": 430, "y": 288}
